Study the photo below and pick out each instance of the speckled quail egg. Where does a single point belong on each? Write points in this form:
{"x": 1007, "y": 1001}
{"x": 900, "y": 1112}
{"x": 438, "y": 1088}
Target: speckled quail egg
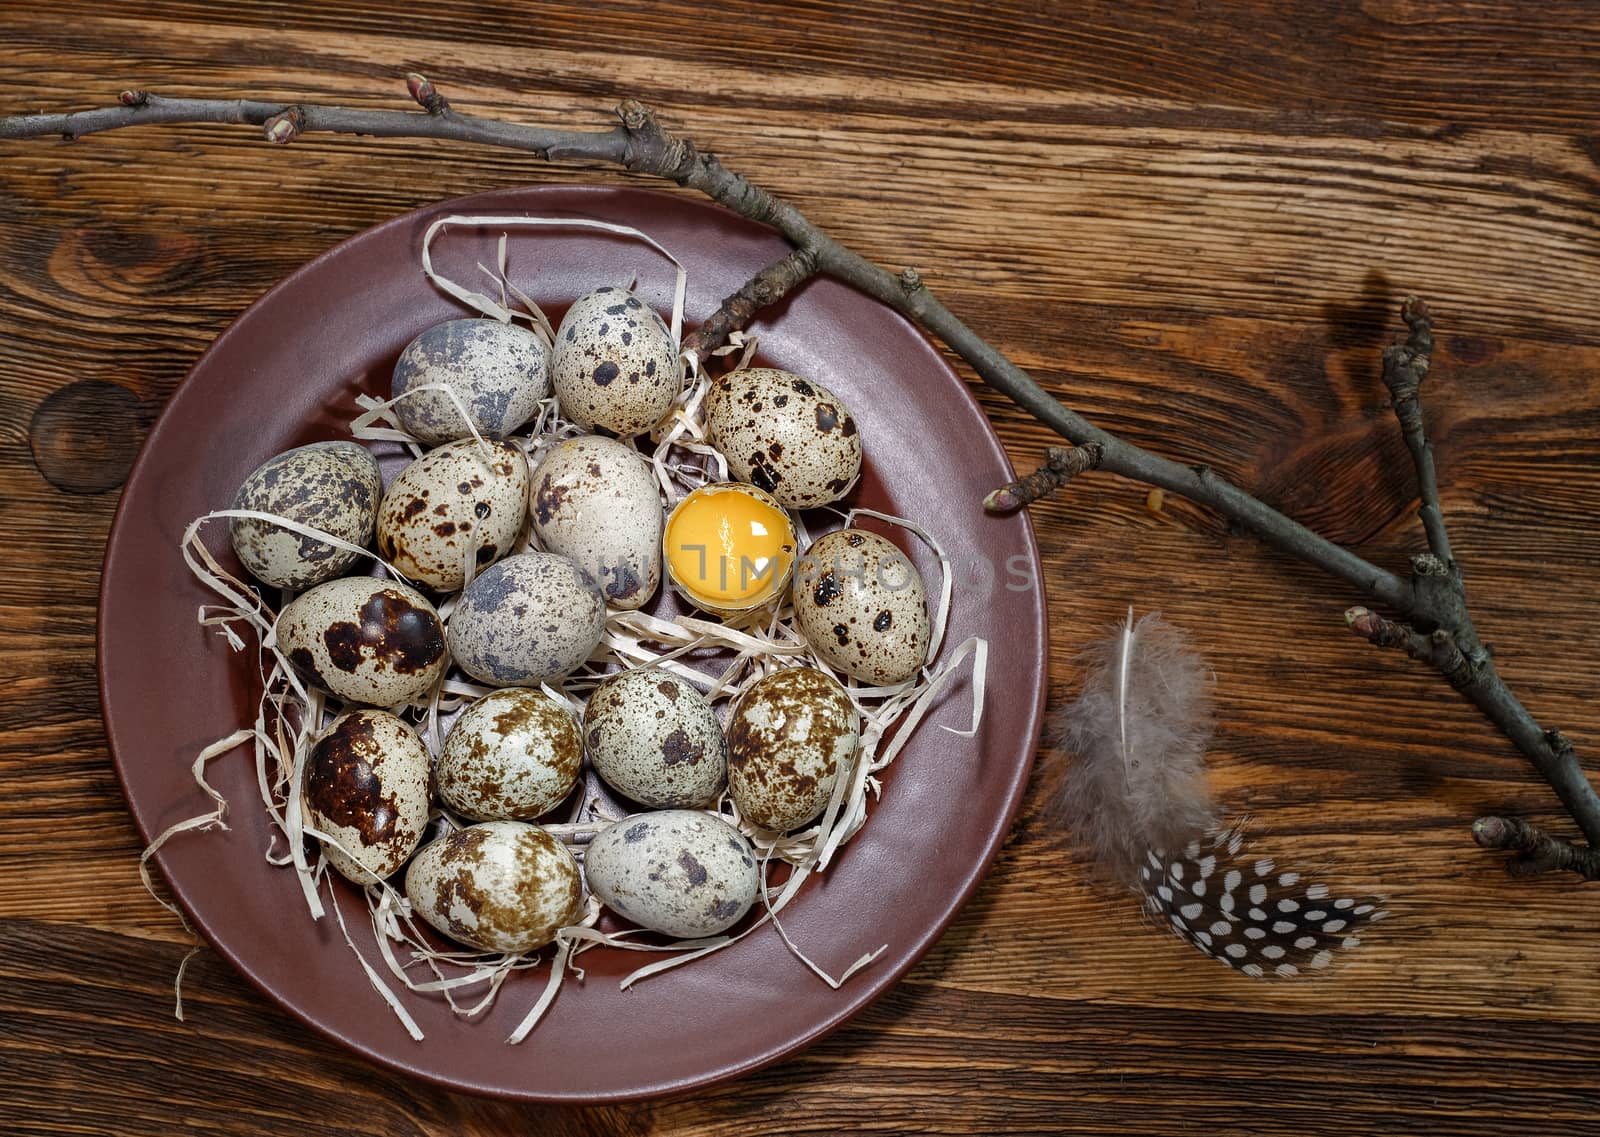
{"x": 862, "y": 607}
{"x": 681, "y": 872}
{"x": 365, "y": 640}
{"x": 459, "y": 501}
{"x": 614, "y": 363}
{"x": 499, "y": 372}
{"x": 331, "y": 486}
{"x": 596, "y": 500}
{"x": 788, "y": 435}
{"x": 500, "y": 886}
{"x": 529, "y": 619}
{"x": 510, "y": 756}
{"x": 655, "y": 739}
{"x": 366, "y": 788}
{"x": 790, "y": 738}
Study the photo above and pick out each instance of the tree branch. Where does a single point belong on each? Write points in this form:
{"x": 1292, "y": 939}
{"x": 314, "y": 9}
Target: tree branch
{"x": 1061, "y": 465}
{"x": 1538, "y": 851}
{"x": 1432, "y": 599}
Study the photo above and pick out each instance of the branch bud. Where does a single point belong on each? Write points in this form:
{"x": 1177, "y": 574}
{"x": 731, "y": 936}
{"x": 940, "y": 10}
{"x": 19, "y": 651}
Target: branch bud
{"x": 133, "y": 98}
{"x": 285, "y": 126}
{"x": 426, "y": 94}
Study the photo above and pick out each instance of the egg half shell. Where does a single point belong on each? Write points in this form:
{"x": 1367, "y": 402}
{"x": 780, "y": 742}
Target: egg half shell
{"x": 596, "y": 500}
{"x": 510, "y": 756}
{"x": 862, "y": 607}
{"x": 365, "y": 640}
{"x": 614, "y": 363}
{"x": 792, "y": 437}
{"x": 499, "y": 372}
{"x": 654, "y": 738}
{"x": 530, "y": 619}
{"x": 500, "y": 886}
{"x": 367, "y": 788}
{"x": 331, "y": 486}
{"x": 682, "y": 872}
{"x": 463, "y": 500}
{"x": 790, "y": 738}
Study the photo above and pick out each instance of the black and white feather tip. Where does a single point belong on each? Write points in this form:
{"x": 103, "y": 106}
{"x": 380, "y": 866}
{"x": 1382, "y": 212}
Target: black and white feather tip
{"x": 1136, "y": 788}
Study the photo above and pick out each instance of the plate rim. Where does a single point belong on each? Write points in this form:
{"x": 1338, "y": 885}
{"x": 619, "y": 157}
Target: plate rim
{"x": 874, "y": 988}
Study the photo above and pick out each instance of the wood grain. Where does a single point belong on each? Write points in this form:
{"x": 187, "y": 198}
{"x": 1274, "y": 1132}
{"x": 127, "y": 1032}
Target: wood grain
{"x": 1195, "y": 226}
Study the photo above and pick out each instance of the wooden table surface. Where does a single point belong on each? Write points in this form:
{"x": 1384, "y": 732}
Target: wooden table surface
{"x": 1195, "y": 224}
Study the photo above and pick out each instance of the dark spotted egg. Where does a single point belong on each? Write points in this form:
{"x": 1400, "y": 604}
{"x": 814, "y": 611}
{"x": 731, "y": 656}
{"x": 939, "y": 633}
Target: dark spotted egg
{"x": 331, "y": 486}
{"x": 792, "y": 437}
{"x": 655, "y": 739}
{"x": 682, "y": 872}
{"x": 614, "y": 363}
{"x": 365, "y": 640}
{"x": 500, "y": 886}
{"x": 366, "y": 788}
{"x": 596, "y": 500}
{"x": 790, "y": 738}
{"x": 463, "y": 501}
{"x": 862, "y": 607}
{"x": 511, "y": 756}
{"x": 499, "y": 372}
{"x": 530, "y": 619}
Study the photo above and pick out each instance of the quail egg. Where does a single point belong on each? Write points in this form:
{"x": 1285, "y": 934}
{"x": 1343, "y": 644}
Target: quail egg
{"x": 682, "y": 872}
{"x": 527, "y": 620}
{"x": 365, "y": 640}
{"x": 366, "y": 787}
{"x": 458, "y": 502}
{"x": 499, "y": 372}
{"x": 512, "y": 755}
{"x": 655, "y": 739}
{"x": 331, "y": 486}
{"x": 862, "y": 607}
{"x": 790, "y": 738}
{"x": 614, "y": 364}
{"x": 596, "y": 500}
{"x": 788, "y": 435}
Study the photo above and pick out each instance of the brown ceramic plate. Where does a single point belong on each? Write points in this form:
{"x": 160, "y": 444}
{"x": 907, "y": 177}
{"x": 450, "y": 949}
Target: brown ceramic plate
{"x": 285, "y": 373}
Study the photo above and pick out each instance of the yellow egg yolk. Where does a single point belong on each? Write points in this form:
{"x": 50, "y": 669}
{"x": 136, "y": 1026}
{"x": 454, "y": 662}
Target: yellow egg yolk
{"x": 729, "y": 545}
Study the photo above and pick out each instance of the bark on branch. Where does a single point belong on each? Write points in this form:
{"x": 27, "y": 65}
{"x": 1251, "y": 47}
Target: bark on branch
{"x": 1431, "y": 599}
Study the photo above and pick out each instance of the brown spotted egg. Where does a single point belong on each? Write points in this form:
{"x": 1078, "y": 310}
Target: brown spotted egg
{"x": 682, "y": 872}
{"x": 462, "y": 501}
{"x": 365, "y": 640}
{"x": 511, "y": 756}
{"x": 792, "y": 437}
{"x": 499, "y": 372}
{"x": 790, "y": 738}
{"x": 366, "y": 788}
{"x": 614, "y": 363}
{"x": 655, "y": 739}
{"x": 500, "y": 886}
{"x": 596, "y": 500}
{"x": 331, "y": 486}
{"x": 530, "y": 619}
{"x": 862, "y": 607}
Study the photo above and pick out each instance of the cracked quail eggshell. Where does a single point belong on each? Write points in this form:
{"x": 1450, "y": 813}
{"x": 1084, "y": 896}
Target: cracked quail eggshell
{"x": 527, "y": 620}
{"x": 499, "y": 372}
{"x": 792, "y": 437}
{"x": 461, "y": 500}
{"x": 862, "y": 607}
{"x": 681, "y": 872}
{"x": 596, "y": 500}
{"x": 790, "y": 738}
{"x": 366, "y": 640}
{"x": 331, "y": 486}
{"x": 614, "y": 364}
{"x": 366, "y": 786}
{"x": 511, "y": 756}
{"x": 654, "y": 738}
{"x": 501, "y": 886}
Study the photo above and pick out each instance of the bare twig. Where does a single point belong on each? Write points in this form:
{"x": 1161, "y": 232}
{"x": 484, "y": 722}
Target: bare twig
{"x": 1432, "y": 598}
{"x": 1061, "y": 465}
